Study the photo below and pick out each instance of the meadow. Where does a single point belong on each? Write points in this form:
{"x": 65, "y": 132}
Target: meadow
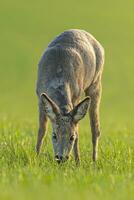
{"x": 26, "y": 29}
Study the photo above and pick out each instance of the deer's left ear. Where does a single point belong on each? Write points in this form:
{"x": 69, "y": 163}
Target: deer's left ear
{"x": 81, "y": 109}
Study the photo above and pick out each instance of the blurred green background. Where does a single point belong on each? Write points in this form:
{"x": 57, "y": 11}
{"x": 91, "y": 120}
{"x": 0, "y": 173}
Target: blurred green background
{"x": 28, "y": 26}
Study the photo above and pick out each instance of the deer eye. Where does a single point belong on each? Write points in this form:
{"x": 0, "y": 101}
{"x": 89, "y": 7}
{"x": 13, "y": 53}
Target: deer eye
{"x": 72, "y": 138}
{"x": 54, "y": 136}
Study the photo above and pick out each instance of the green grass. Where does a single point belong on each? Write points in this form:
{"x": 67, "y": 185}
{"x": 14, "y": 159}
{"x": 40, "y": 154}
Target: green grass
{"x": 24, "y": 175}
{"x": 26, "y": 29}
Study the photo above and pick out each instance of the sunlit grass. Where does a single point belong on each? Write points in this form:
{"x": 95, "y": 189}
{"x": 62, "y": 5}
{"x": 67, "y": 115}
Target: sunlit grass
{"x": 24, "y": 174}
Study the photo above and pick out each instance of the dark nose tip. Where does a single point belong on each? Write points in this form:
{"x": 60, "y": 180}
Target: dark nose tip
{"x": 58, "y": 158}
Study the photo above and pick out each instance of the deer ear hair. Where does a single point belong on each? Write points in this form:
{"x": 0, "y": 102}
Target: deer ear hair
{"x": 50, "y": 106}
{"x": 81, "y": 109}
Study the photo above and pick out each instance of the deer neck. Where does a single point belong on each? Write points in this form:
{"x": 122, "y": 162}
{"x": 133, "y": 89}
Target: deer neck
{"x": 61, "y": 95}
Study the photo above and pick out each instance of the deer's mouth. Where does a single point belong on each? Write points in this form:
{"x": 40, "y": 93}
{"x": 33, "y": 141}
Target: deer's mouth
{"x": 61, "y": 159}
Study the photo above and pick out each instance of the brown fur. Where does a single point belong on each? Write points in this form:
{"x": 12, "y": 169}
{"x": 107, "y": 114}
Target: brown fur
{"x": 72, "y": 64}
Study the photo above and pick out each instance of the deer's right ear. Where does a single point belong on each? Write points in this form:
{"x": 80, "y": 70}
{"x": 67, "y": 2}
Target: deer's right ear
{"x": 50, "y": 106}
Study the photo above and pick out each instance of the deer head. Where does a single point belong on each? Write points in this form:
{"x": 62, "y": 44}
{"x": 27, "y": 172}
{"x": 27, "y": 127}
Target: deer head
{"x": 64, "y": 126}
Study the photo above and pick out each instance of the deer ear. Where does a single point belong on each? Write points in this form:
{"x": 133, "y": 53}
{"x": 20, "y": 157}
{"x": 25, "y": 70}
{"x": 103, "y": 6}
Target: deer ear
{"x": 50, "y": 106}
{"x": 81, "y": 109}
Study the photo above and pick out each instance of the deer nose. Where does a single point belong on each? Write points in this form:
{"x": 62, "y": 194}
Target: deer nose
{"x": 58, "y": 158}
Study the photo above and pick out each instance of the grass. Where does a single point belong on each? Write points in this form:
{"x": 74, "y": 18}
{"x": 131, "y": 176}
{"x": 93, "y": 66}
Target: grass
{"x": 26, "y": 29}
{"x": 24, "y": 175}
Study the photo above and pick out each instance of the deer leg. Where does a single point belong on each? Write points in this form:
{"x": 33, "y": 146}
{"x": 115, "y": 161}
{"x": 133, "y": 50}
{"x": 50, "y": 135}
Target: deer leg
{"x": 76, "y": 151}
{"x": 42, "y": 129}
{"x": 95, "y": 94}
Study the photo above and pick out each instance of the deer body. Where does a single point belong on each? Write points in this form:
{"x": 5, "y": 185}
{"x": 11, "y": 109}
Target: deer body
{"x": 72, "y": 64}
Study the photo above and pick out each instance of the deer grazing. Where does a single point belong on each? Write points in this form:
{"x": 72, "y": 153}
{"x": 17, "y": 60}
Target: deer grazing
{"x": 71, "y": 64}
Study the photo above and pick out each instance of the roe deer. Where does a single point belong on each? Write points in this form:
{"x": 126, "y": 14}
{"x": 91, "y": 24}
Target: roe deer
{"x": 71, "y": 64}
